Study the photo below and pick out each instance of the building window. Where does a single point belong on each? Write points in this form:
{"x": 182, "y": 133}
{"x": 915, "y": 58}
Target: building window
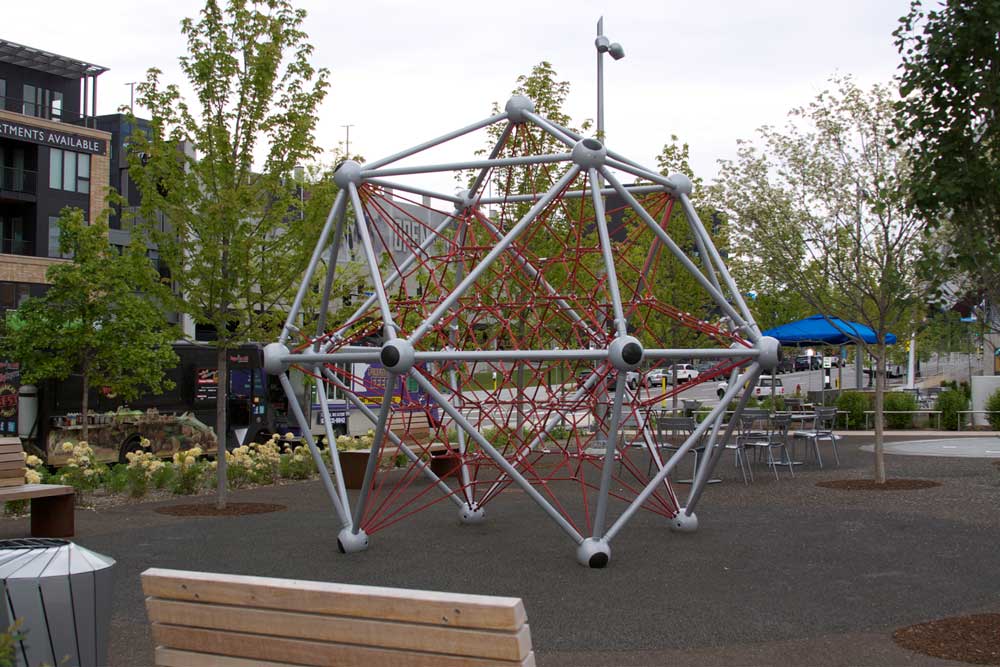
{"x": 28, "y": 100}
{"x": 54, "y": 239}
{"x": 69, "y": 171}
{"x": 3, "y": 93}
{"x": 42, "y": 102}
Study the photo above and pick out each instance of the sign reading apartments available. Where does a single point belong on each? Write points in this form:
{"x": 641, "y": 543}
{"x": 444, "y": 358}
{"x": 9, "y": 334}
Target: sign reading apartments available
{"x": 55, "y": 138}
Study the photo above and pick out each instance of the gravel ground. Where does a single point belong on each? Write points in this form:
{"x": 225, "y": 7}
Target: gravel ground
{"x": 779, "y": 572}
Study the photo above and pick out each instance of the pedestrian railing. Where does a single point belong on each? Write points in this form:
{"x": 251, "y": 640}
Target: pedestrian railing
{"x": 973, "y": 412}
{"x": 936, "y": 413}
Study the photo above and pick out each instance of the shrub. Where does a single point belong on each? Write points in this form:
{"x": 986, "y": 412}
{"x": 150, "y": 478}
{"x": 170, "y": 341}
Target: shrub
{"x": 297, "y": 463}
{"x": 949, "y": 403}
{"x": 779, "y": 404}
{"x": 140, "y": 471}
{"x": 82, "y": 471}
{"x": 116, "y": 480}
{"x": 854, "y": 403}
{"x": 898, "y": 400}
{"x": 993, "y": 408}
{"x": 16, "y": 508}
{"x": 189, "y": 472}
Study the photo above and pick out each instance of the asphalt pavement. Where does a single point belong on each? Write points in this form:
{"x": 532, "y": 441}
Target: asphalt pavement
{"x": 779, "y": 572}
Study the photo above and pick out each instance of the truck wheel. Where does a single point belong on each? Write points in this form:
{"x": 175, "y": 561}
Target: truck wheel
{"x": 132, "y": 444}
{"x": 721, "y": 393}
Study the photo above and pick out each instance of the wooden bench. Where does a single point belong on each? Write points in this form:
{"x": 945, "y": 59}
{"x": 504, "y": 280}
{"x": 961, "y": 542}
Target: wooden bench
{"x": 51, "y": 504}
{"x": 201, "y": 619}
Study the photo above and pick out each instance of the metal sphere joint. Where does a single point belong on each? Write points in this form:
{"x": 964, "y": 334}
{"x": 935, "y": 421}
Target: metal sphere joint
{"x": 348, "y": 172}
{"x": 397, "y": 356}
{"x": 589, "y": 153}
{"x": 593, "y": 553}
{"x": 516, "y": 106}
{"x": 770, "y": 353}
{"x": 684, "y": 523}
{"x": 682, "y": 184}
{"x": 349, "y": 543}
{"x": 625, "y": 353}
{"x": 273, "y": 355}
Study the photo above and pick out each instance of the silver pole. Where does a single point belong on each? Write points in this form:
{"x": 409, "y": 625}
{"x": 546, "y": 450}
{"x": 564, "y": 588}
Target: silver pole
{"x": 317, "y": 457}
{"x": 375, "y": 455}
{"x": 330, "y": 438}
{"x": 609, "y": 458}
{"x": 472, "y": 164}
{"x": 570, "y": 194}
{"x": 330, "y": 273}
{"x": 600, "y": 83}
{"x": 713, "y": 450}
{"x": 550, "y": 128}
{"x": 311, "y": 269}
{"x": 392, "y": 185}
{"x": 388, "y": 325}
{"x": 609, "y": 262}
{"x": 716, "y": 413}
{"x": 676, "y": 251}
{"x": 692, "y": 216}
{"x": 481, "y": 176}
{"x": 439, "y": 140}
{"x": 393, "y": 438}
{"x": 488, "y": 260}
{"x": 498, "y": 458}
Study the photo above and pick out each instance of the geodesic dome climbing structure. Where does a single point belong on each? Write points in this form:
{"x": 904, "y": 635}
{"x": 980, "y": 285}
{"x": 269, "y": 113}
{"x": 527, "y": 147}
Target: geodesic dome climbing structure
{"x": 506, "y": 332}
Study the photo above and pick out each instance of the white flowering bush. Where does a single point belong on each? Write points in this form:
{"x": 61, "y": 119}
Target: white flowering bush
{"x": 297, "y": 462}
{"x": 253, "y": 464}
{"x": 82, "y": 470}
{"x": 142, "y": 471}
{"x": 347, "y": 443}
{"x": 34, "y": 469}
{"x": 189, "y": 471}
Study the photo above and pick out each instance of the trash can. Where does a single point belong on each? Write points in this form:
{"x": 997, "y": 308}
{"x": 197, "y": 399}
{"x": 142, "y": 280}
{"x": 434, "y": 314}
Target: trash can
{"x": 61, "y": 595}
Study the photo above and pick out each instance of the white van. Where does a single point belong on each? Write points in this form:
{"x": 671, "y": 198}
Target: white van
{"x": 763, "y": 389}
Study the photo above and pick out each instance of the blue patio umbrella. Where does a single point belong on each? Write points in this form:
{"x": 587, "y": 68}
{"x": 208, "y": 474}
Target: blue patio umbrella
{"x": 820, "y": 330}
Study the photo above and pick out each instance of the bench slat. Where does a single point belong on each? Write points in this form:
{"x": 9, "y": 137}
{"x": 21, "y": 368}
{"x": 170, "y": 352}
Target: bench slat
{"x": 391, "y": 604}
{"x": 13, "y": 448}
{"x": 13, "y": 456}
{"x": 12, "y": 481}
{"x": 512, "y": 646}
{"x": 169, "y": 657}
{"x": 11, "y": 465}
{"x": 312, "y": 653}
{"x": 34, "y": 491}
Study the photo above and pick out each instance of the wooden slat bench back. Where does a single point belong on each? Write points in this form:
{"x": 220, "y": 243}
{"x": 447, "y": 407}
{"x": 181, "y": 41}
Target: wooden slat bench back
{"x": 202, "y": 619}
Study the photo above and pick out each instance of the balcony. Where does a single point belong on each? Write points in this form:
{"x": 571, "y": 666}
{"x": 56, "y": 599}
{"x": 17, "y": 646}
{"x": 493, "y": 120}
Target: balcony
{"x": 18, "y": 184}
{"x": 52, "y": 111}
{"x": 10, "y": 246}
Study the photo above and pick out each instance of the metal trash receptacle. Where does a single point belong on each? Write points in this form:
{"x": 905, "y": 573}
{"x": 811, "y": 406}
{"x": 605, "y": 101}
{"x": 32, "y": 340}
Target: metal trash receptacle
{"x": 61, "y": 594}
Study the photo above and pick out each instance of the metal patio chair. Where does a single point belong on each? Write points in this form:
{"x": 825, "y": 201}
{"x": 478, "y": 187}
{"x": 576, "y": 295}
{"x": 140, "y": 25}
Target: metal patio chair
{"x": 822, "y": 429}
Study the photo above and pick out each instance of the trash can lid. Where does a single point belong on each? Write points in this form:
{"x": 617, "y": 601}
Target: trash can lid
{"x": 36, "y": 558}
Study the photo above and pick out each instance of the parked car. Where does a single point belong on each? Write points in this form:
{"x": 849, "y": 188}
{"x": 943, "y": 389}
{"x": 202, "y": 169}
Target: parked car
{"x": 763, "y": 389}
{"x": 655, "y": 377}
{"x": 805, "y": 362}
{"x": 786, "y": 365}
{"x": 632, "y": 379}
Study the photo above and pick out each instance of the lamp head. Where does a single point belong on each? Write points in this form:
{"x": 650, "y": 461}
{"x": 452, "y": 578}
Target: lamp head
{"x": 616, "y": 51}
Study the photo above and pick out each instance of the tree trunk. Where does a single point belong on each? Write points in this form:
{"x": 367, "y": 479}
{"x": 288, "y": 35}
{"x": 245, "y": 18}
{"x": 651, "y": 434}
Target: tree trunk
{"x": 221, "y": 400}
{"x": 879, "y": 410}
{"x": 84, "y": 403}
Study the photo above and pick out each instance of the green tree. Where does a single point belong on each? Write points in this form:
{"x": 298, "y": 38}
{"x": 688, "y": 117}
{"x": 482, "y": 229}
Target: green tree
{"x": 950, "y": 94}
{"x": 100, "y": 317}
{"x": 237, "y": 239}
{"x": 821, "y": 208}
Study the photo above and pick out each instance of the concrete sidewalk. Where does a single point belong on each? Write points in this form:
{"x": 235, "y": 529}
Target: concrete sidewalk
{"x": 780, "y": 572}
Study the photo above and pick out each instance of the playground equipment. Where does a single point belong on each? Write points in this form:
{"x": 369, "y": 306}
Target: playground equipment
{"x": 547, "y": 272}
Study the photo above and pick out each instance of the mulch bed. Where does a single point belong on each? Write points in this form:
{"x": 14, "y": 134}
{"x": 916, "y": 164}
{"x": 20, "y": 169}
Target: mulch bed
{"x": 231, "y": 509}
{"x": 872, "y": 485}
{"x": 974, "y": 639}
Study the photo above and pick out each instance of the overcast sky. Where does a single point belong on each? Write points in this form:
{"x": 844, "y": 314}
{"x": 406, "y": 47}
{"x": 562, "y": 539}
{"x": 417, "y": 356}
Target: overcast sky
{"x": 402, "y": 71}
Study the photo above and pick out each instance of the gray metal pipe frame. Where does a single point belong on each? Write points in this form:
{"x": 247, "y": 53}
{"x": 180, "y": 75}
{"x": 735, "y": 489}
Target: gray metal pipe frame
{"x": 505, "y": 465}
{"x": 609, "y": 261}
{"x": 463, "y": 467}
{"x": 439, "y": 140}
{"x": 324, "y": 474}
{"x": 375, "y": 456}
{"x": 393, "y": 438}
{"x": 388, "y": 325}
{"x": 611, "y": 154}
{"x": 481, "y": 176}
{"x": 512, "y": 355}
{"x": 682, "y": 451}
{"x": 570, "y": 194}
{"x": 643, "y": 173}
{"x": 331, "y": 271}
{"x": 715, "y": 450}
{"x": 397, "y": 273}
{"x": 331, "y": 439}
{"x": 674, "y": 249}
{"x": 537, "y": 275}
{"x": 706, "y": 259}
{"x": 488, "y": 260}
{"x": 472, "y": 164}
{"x": 709, "y": 353}
{"x": 550, "y": 128}
{"x": 310, "y": 358}
{"x": 311, "y": 269}
{"x": 611, "y": 444}
{"x": 693, "y": 218}
{"x": 392, "y": 185}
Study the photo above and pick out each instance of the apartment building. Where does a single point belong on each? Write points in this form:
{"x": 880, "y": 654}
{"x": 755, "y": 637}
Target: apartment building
{"x": 51, "y": 156}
